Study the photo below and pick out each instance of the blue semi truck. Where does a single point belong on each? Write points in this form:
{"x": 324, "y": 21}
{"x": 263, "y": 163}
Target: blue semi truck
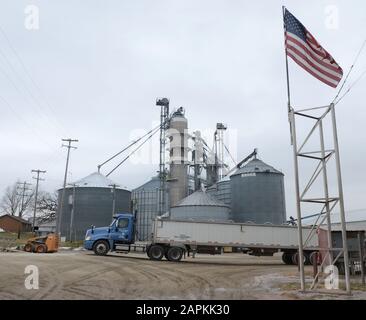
{"x": 173, "y": 238}
{"x": 120, "y": 235}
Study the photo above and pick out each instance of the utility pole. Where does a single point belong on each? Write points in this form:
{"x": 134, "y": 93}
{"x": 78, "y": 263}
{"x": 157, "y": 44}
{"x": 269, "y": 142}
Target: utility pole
{"x": 38, "y": 172}
{"x": 72, "y": 210}
{"x": 59, "y": 215}
{"x": 23, "y": 186}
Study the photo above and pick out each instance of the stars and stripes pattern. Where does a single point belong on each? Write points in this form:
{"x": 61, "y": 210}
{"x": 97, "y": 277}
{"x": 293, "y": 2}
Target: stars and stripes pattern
{"x": 302, "y": 47}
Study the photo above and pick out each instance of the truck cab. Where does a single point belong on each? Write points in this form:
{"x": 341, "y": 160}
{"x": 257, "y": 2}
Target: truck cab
{"x": 104, "y": 239}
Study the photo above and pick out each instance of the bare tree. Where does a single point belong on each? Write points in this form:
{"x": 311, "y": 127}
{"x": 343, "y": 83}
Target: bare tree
{"x": 14, "y": 202}
{"x": 47, "y": 206}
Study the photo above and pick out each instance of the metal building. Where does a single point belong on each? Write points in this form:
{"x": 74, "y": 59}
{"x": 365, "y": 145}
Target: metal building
{"x": 91, "y": 201}
{"x": 178, "y": 149}
{"x": 200, "y": 205}
{"x": 258, "y": 194}
{"x": 146, "y": 203}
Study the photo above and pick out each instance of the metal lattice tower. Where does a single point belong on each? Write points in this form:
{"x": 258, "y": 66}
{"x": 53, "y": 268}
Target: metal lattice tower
{"x": 321, "y": 155}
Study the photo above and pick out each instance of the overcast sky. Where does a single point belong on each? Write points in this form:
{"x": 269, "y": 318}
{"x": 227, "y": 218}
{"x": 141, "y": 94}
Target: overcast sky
{"x": 93, "y": 69}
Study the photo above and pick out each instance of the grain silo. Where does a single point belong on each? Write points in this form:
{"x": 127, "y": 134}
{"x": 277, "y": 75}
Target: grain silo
{"x": 94, "y": 198}
{"x": 221, "y": 190}
{"x": 178, "y": 154}
{"x": 201, "y": 206}
{"x": 258, "y": 194}
{"x": 145, "y": 200}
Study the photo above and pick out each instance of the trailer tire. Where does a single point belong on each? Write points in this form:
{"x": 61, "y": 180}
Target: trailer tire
{"x": 174, "y": 254}
{"x": 156, "y": 252}
{"x": 101, "y": 248}
{"x": 307, "y": 258}
{"x": 312, "y": 257}
{"x": 341, "y": 268}
{"x": 295, "y": 258}
{"x": 287, "y": 258}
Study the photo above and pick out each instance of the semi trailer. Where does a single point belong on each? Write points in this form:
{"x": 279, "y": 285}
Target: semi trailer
{"x": 175, "y": 239}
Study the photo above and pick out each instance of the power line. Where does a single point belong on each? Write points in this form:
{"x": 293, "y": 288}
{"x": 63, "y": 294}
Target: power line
{"x": 349, "y": 72}
{"x": 20, "y": 60}
{"x": 32, "y": 128}
{"x": 350, "y": 87}
{"x": 34, "y": 98}
{"x": 42, "y": 116}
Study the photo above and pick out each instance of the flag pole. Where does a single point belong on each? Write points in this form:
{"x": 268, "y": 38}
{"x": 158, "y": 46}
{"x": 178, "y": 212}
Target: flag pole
{"x": 287, "y": 73}
{"x": 291, "y": 117}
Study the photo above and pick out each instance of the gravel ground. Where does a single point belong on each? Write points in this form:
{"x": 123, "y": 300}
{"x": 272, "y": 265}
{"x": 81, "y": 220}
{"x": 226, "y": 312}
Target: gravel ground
{"x": 83, "y": 275}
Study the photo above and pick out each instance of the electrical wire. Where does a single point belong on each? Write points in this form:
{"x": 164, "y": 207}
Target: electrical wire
{"x": 350, "y": 87}
{"x": 349, "y": 72}
{"x": 26, "y": 71}
{"x": 30, "y": 127}
{"x": 34, "y": 99}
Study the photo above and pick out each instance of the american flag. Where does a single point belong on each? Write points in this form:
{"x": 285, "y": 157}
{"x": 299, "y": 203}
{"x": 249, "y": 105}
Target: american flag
{"x": 302, "y": 47}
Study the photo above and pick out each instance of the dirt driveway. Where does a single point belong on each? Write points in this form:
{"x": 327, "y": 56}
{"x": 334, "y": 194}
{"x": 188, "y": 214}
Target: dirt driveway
{"x": 83, "y": 275}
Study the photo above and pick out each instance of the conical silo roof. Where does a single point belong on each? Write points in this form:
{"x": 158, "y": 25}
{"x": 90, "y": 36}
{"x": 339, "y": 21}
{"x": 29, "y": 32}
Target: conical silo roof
{"x": 95, "y": 180}
{"x": 200, "y": 198}
{"x": 256, "y": 166}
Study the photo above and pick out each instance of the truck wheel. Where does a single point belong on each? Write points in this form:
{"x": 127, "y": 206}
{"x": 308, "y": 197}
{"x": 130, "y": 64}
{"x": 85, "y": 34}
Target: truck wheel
{"x": 156, "y": 252}
{"x": 340, "y": 267}
{"x": 28, "y": 247}
{"x": 148, "y": 251}
{"x": 287, "y": 258}
{"x": 41, "y": 248}
{"x": 295, "y": 258}
{"x": 312, "y": 257}
{"x": 101, "y": 248}
{"x": 175, "y": 254}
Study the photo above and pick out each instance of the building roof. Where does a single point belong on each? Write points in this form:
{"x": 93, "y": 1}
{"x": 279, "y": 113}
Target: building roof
{"x": 95, "y": 180}
{"x": 15, "y": 218}
{"x": 49, "y": 223}
{"x": 350, "y": 226}
{"x": 152, "y": 184}
{"x": 200, "y": 198}
{"x": 256, "y": 166}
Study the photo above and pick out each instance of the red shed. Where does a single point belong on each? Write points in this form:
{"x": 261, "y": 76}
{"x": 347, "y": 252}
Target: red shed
{"x": 11, "y": 223}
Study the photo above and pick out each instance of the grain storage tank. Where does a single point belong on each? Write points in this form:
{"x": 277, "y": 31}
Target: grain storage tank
{"x": 221, "y": 190}
{"x": 178, "y": 154}
{"x": 201, "y": 206}
{"x": 258, "y": 194}
{"x": 146, "y": 202}
{"x": 94, "y": 200}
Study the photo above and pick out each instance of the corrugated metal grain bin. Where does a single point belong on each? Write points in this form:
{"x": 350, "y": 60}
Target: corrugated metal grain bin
{"x": 146, "y": 201}
{"x": 200, "y": 205}
{"x": 258, "y": 194}
{"x": 93, "y": 204}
